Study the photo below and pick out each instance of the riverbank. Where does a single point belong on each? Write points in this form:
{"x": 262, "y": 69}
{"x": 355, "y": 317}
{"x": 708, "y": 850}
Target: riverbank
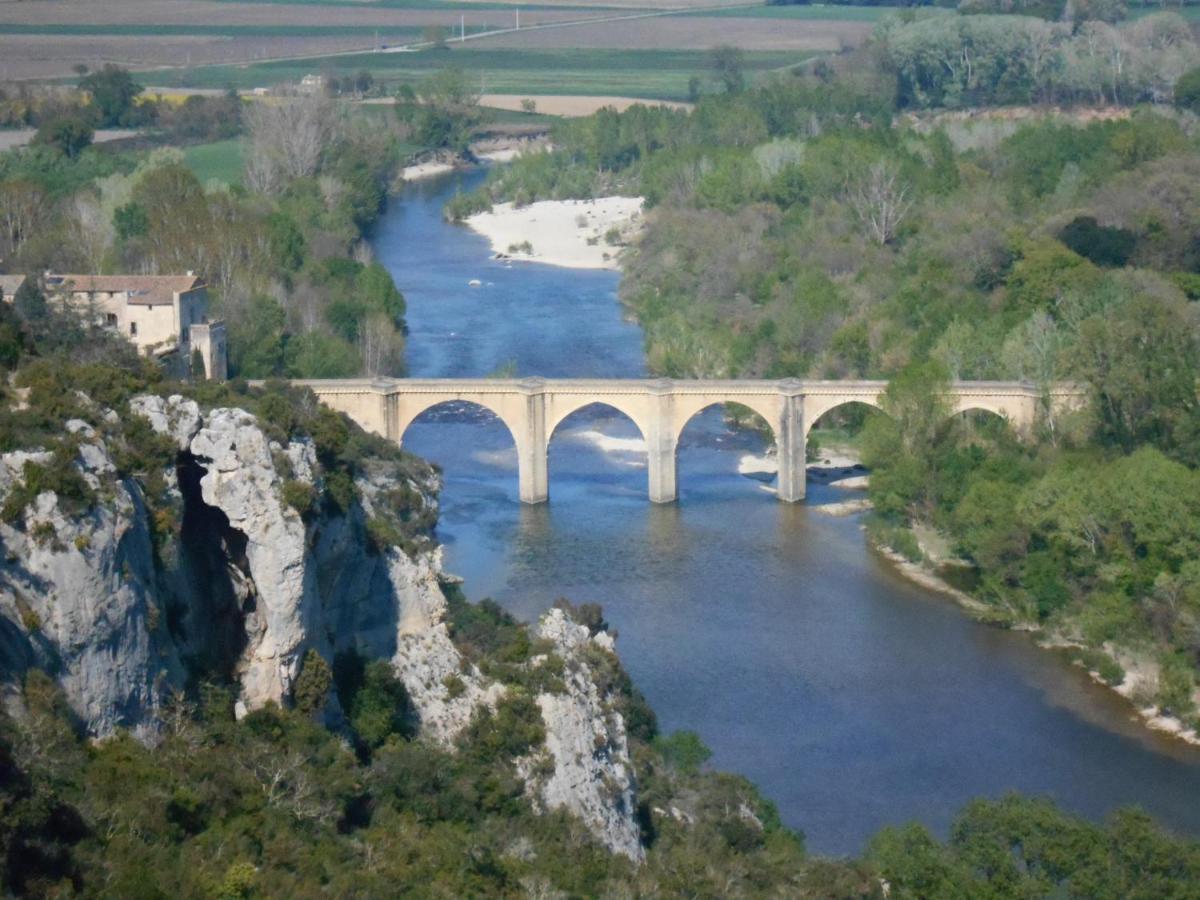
{"x": 576, "y": 234}
{"x": 838, "y": 465}
{"x": 1140, "y": 680}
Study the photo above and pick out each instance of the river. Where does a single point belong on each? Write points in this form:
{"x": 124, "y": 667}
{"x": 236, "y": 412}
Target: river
{"x": 852, "y": 697}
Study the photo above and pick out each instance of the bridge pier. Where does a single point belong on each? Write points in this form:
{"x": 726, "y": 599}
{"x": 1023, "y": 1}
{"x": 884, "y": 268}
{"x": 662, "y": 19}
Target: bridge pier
{"x": 791, "y": 482}
{"x": 661, "y": 443}
{"x": 533, "y": 444}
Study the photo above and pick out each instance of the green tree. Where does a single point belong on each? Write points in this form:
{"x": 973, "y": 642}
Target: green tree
{"x": 311, "y": 689}
{"x": 69, "y": 134}
{"x": 728, "y": 65}
{"x": 1187, "y": 90}
{"x": 444, "y": 110}
{"x": 113, "y": 93}
{"x": 903, "y": 446}
{"x": 130, "y": 221}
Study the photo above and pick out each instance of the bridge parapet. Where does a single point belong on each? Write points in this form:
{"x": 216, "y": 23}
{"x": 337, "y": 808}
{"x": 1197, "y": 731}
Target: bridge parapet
{"x": 532, "y": 408}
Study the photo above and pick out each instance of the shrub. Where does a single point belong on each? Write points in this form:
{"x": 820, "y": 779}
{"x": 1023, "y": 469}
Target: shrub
{"x": 1187, "y": 91}
{"x": 373, "y": 699}
{"x": 514, "y": 729}
{"x": 59, "y": 475}
{"x": 1176, "y": 685}
{"x": 300, "y": 496}
{"x": 683, "y": 751}
{"x": 311, "y": 689}
{"x": 455, "y": 686}
{"x": 1102, "y": 245}
{"x": 1101, "y": 663}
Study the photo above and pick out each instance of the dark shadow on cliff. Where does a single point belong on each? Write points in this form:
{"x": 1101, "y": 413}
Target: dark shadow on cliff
{"x": 208, "y": 612}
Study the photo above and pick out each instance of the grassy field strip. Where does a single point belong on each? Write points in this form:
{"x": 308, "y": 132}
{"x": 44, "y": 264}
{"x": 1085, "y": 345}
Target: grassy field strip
{"x": 218, "y": 161}
{"x": 646, "y": 74}
{"x": 816, "y": 11}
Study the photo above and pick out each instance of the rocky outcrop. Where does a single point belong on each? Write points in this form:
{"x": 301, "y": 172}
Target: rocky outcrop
{"x": 444, "y": 690}
{"x": 241, "y": 481}
{"x": 584, "y": 767}
{"x": 228, "y": 570}
{"x": 78, "y": 594}
{"x": 84, "y": 593}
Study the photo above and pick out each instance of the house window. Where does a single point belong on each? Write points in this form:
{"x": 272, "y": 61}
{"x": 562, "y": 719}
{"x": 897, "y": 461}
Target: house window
{"x": 110, "y": 319}
{"x": 133, "y": 329}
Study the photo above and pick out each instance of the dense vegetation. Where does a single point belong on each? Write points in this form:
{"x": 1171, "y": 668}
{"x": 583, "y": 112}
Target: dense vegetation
{"x": 285, "y": 258}
{"x": 813, "y": 228}
{"x": 275, "y": 805}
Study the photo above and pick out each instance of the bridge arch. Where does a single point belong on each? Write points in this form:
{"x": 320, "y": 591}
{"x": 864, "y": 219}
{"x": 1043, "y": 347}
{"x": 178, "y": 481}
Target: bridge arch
{"x": 626, "y": 455}
{"x": 817, "y": 408}
{"x": 416, "y": 411}
{"x": 688, "y": 406}
{"x": 552, "y": 429}
{"x": 770, "y": 429}
{"x": 559, "y": 409}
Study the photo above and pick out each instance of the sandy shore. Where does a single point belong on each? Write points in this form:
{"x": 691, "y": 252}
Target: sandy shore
{"x": 425, "y": 170}
{"x": 569, "y": 233}
{"x": 571, "y": 104}
{"x": 843, "y": 508}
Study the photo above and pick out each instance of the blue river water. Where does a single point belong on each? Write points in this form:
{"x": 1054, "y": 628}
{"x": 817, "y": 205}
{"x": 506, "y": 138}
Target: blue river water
{"x": 852, "y": 697}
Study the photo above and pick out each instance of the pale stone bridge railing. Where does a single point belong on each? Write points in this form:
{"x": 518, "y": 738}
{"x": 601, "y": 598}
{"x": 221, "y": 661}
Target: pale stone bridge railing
{"x": 532, "y": 408}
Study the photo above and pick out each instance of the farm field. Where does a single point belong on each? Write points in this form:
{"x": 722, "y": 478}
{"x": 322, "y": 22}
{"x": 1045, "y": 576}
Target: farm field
{"x": 224, "y": 13}
{"x": 693, "y": 33}
{"x": 218, "y": 161}
{"x": 49, "y": 38}
{"x": 647, "y": 74}
{"x": 819, "y": 11}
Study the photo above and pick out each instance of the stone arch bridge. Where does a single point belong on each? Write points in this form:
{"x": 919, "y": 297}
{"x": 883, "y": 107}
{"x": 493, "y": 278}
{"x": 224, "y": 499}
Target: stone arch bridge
{"x": 532, "y": 408}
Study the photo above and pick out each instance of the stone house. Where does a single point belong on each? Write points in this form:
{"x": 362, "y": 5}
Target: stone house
{"x": 9, "y": 285}
{"x": 165, "y": 316}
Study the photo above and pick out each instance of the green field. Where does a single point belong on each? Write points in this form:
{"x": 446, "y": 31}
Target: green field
{"x": 652, "y": 74}
{"x": 818, "y": 11}
{"x": 219, "y": 161}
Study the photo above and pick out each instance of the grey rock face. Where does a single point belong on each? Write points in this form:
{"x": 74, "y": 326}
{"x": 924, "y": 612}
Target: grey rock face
{"x": 84, "y": 595}
{"x": 77, "y": 597}
{"x": 591, "y": 775}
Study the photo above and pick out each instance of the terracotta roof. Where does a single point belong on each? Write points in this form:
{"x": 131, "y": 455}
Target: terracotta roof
{"x": 142, "y": 289}
{"x": 10, "y": 284}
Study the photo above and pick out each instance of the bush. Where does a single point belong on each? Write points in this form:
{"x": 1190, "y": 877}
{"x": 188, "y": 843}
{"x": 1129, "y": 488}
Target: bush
{"x": 683, "y": 751}
{"x": 1101, "y": 663}
{"x": 300, "y": 496}
{"x": 1102, "y": 245}
{"x": 311, "y": 689}
{"x": 1187, "y": 91}
{"x": 513, "y": 730}
{"x": 373, "y": 699}
{"x": 1176, "y": 686}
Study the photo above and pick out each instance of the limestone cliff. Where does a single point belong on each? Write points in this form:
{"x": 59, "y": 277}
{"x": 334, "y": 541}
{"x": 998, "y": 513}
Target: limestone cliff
{"x": 77, "y": 593}
{"x": 584, "y": 767}
{"x": 85, "y": 593}
{"x": 224, "y": 551}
